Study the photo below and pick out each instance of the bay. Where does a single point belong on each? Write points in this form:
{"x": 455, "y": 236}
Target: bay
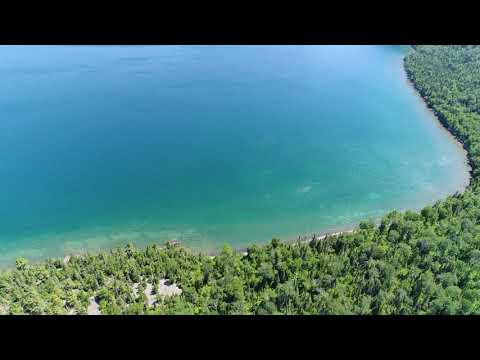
{"x": 104, "y": 145}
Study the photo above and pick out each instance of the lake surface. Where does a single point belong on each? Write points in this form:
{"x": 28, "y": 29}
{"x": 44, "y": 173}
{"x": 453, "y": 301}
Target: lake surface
{"x": 104, "y": 145}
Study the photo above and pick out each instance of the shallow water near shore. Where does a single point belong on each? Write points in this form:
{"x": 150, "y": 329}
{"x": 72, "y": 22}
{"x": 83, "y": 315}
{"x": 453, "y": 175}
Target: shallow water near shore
{"x": 104, "y": 145}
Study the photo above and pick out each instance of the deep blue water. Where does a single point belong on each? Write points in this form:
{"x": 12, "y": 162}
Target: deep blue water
{"x": 103, "y": 145}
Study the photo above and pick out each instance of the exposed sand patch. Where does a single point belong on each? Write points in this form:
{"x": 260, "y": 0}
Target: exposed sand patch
{"x": 3, "y": 309}
{"x": 151, "y": 299}
{"x": 165, "y": 289}
{"x": 168, "y": 289}
{"x": 135, "y": 290}
{"x": 93, "y": 307}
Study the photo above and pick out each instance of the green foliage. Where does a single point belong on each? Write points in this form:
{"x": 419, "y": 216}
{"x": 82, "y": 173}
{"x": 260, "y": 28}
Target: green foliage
{"x": 411, "y": 263}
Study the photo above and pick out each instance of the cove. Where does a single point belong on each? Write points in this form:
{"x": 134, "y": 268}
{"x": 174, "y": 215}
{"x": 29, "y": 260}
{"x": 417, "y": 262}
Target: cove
{"x": 105, "y": 145}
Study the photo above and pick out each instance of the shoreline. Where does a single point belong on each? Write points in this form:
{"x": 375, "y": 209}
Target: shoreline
{"x": 301, "y": 239}
{"x": 467, "y": 181}
{"x": 443, "y": 127}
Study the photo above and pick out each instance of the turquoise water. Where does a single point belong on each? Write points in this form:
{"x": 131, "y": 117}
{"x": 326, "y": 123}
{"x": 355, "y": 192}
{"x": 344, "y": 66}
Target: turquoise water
{"x": 104, "y": 145}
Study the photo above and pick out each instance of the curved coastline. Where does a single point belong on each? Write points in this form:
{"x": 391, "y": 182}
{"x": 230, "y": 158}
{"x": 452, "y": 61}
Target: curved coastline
{"x": 443, "y": 124}
{"x": 349, "y": 229}
{"x": 414, "y": 263}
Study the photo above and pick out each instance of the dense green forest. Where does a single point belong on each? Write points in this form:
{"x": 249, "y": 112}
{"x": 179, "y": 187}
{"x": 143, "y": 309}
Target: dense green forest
{"x": 411, "y": 263}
